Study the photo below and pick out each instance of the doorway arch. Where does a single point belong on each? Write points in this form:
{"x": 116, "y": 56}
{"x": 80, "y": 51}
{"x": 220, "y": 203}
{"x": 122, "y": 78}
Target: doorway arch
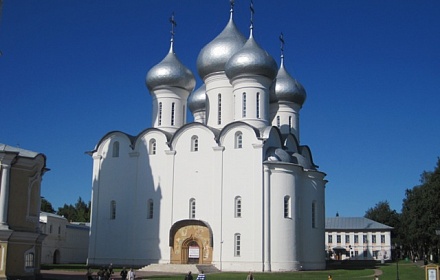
{"x": 191, "y": 242}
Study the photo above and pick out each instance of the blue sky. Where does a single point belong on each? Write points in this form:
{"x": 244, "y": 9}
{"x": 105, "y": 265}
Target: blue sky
{"x": 71, "y": 71}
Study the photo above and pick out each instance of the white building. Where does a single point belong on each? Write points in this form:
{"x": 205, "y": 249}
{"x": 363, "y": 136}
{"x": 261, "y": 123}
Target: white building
{"x": 235, "y": 188}
{"x": 357, "y": 239}
{"x": 65, "y": 242}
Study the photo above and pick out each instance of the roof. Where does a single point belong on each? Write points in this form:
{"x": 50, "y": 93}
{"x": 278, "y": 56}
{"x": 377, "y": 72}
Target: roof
{"x": 353, "y": 223}
{"x": 21, "y": 152}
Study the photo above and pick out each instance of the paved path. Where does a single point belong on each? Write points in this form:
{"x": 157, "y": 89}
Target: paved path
{"x": 75, "y": 275}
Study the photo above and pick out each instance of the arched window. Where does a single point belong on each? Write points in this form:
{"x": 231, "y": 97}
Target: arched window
{"x": 244, "y": 105}
{"x": 314, "y": 214}
{"x": 278, "y": 121}
{"x": 112, "y": 210}
{"x": 237, "y": 207}
{"x": 219, "y": 116}
{"x": 150, "y": 206}
{"x": 160, "y": 113}
{"x": 115, "y": 149}
{"x": 287, "y": 212}
{"x": 194, "y": 143}
{"x": 290, "y": 123}
{"x": 152, "y": 147}
{"x": 238, "y": 140}
{"x": 29, "y": 260}
{"x": 192, "y": 208}
{"x": 172, "y": 113}
{"x": 258, "y": 105}
{"x": 237, "y": 244}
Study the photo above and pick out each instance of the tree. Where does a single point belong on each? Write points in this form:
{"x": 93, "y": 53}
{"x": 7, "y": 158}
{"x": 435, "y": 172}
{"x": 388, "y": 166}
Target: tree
{"x": 46, "y": 206}
{"x": 421, "y": 214}
{"x": 383, "y": 213}
{"x": 78, "y": 213}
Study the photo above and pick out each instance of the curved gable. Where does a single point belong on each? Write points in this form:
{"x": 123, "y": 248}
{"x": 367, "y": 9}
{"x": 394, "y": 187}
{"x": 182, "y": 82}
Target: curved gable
{"x": 196, "y": 128}
{"x": 307, "y": 153}
{"x": 124, "y": 138}
{"x": 291, "y": 143}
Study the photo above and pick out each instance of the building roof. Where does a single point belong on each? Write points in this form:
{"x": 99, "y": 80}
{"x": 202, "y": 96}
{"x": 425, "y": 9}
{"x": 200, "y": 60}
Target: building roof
{"x": 353, "y": 223}
{"x": 21, "y": 152}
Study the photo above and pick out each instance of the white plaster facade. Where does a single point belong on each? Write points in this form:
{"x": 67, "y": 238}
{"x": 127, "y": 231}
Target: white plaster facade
{"x": 235, "y": 188}
{"x": 65, "y": 242}
{"x": 357, "y": 239}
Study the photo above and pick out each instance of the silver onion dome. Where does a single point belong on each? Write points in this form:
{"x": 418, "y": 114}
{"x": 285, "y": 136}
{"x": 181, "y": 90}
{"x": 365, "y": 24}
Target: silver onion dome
{"x": 197, "y": 100}
{"x": 170, "y": 72}
{"x": 287, "y": 88}
{"x": 278, "y": 154}
{"x": 251, "y": 59}
{"x": 213, "y": 57}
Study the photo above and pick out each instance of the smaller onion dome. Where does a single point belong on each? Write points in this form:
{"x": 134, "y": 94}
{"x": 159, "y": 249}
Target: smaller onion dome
{"x": 170, "y": 72}
{"x": 197, "y": 100}
{"x": 287, "y": 88}
{"x": 251, "y": 59}
{"x": 213, "y": 57}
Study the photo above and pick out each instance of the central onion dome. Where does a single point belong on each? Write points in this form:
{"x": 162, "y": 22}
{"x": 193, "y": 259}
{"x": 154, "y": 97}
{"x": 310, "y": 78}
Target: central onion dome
{"x": 170, "y": 72}
{"x": 197, "y": 100}
{"x": 213, "y": 57}
{"x": 287, "y": 88}
{"x": 251, "y": 59}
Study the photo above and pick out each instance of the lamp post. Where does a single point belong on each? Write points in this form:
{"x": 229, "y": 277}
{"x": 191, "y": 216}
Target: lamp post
{"x": 396, "y": 249}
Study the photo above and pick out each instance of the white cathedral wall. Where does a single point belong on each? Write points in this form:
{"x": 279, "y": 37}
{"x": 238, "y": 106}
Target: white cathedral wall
{"x": 218, "y": 83}
{"x": 285, "y": 111}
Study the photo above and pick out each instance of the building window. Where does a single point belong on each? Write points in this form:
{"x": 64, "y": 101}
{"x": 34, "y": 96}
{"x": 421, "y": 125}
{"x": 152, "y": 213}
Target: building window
{"x": 356, "y": 239}
{"x": 330, "y": 238}
{"x": 356, "y": 253}
{"x": 365, "y": 253}
{"x": 287, "y": 207}
{"x": 237, "y": 244}
{"x": 150, "y": 209}
{"x": 160, "y": 113}
{"x": 238, "y": 140}
{"x": 347, "y": 238}
{"x": 313, "y": 214}
{"x": 278, "y": 122}
{"x": 50, "y": 228}
{"x": 194, "y": 143}
{"x": 373, "y": 239}
{"x": 152, "y": 148}
{"x": 29, "y": 260}
{"x": 192, "y": 208}
{"x": 338, "y": 238}
{"x": 244, "y": 105}
{"x": 258, "y": 105}
{"x": 382, "y": 238}
{"x": 59, "y": 230}
{"x": 115, "y": 149}
{"x": 364, "y": 238}
{"x": 290, "y": 123}
{"x": 238, "y": 207}
{"x": 172, "y": 113}
{"x": 219, "y": 116}
{"x": 113, "y": 210}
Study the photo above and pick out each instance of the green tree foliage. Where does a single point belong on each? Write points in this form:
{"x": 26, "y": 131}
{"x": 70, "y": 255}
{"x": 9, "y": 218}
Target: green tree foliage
{"x": 80, "y": 212}
{"x": 421, "y": 214}
{"x": 383, "y": 213}
{"x": 46, "y": 206}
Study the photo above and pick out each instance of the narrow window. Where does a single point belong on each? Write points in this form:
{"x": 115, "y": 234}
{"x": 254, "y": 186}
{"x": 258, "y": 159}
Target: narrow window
{"x": 338, "y": 238}
{"x": 152, "y": 147}
{"x": 238, "y": 207}
{"x": 356, "y": 239}
{"x": 172, "y": 113}
{"x": 50, "y": 228}
{"x": 194, "y": 143}
{"x": 290, "y": 123}
{"x": 192, "y": 208}
{"x": 382, "y": 238}
{"x": 219, "y": 116}
{"x": 59, "y": 230}
{"x": 373, "y": 239}
{"x": 150, "y": 209}
{"x": 347, "y": 239}
{"x": 237, "y": 244}
{"x": 313, "y": 214}
{"x": 278, "y": 122}
{"x": 258, "y": 105}
{"x": 113, "y": 210}
{"x": 287, "y": 207}
{"x": 160, "y": 113}
{"x": 115, "y": 149}
{"x": 330, "y": 238}
{"x": 364, "y": 238}
{"x": 29, "y": 260}
{"x": 244, "y": 105}
{"x": 238, "y": 140}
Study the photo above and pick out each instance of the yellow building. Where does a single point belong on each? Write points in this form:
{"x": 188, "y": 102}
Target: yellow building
{"x": 21, "y": 172}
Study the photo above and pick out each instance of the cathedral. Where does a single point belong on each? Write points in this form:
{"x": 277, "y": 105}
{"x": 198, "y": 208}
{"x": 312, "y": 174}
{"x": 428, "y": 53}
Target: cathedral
{"x": 234, "y": 188}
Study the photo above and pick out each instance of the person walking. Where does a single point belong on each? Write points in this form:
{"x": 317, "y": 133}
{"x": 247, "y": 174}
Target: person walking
{"x": 189, "y": 276}
{"x": 201, "y": 276}
{"x": 250, "y": 276}
{"x": 124, "y": 273}
{"x": 131, "y": 274}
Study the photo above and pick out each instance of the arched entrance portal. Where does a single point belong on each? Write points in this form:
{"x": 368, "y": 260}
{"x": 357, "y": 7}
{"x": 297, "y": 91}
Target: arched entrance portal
{"x": 191, "y": 242}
